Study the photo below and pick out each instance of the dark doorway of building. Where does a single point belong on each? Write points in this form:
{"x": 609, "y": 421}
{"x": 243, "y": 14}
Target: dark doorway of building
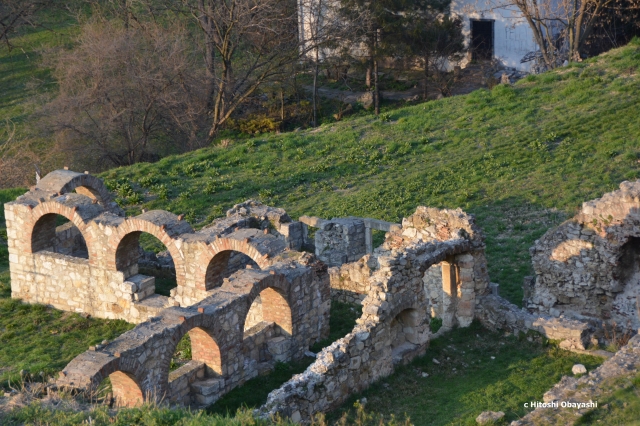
{"x": 481, "y": 40}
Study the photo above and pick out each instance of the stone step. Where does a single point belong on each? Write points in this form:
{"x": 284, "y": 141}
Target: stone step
{"x": 141, "y": 282}
{"x": 208, "y": 391}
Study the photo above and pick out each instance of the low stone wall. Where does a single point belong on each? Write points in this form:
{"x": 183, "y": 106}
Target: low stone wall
{"x": 496, "y": 313}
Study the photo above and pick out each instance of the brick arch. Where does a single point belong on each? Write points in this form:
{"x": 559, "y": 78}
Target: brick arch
{"x": 44, "y": 216}
{"x": 217, "y": 256}
{"x": 277, "y": 306}
{"x": 120, "y": 248}
{"x": 65, "y": 181}
{"x": 125, "y": 374}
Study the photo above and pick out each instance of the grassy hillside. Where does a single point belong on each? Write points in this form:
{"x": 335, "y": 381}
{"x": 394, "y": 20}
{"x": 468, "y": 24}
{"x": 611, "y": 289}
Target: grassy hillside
{"x": 521, "y": 158}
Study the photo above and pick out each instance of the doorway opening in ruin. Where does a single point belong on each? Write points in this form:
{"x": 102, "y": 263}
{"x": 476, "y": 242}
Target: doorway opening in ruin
{"x": 120, "y": 389}
{"x": 224, "y": 264}
{"x": 405, "y": 333}
{"x": 56, "y": 233}
{"x": 441, "y": 287}
{"x": 140, "y": 253}
{"x": 268, "y": 327}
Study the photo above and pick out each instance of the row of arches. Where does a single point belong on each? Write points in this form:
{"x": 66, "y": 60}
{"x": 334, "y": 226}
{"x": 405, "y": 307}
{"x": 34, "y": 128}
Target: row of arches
{"x": 208, "y": 344}
{"x": 60, "y": 229}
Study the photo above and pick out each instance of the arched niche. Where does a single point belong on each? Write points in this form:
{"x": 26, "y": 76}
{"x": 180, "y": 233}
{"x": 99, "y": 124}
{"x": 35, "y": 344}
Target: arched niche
{"x": 407, "y": 333}
{"x": 129, "y": 256}
{"x": 270, "y": 306}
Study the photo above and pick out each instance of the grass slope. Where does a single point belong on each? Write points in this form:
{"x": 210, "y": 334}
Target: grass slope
{"x": 522, "y": 158}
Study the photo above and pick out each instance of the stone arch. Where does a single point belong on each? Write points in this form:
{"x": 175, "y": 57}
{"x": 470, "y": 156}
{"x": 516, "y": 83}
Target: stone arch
{"x": 217, "y": 257}
{"x": 219, "y": 268}
{"x": 205, "y": 348}
{"x": 123, "y": 245}
{"x": 43, "y": 227}
{"x": 65, "y": 181}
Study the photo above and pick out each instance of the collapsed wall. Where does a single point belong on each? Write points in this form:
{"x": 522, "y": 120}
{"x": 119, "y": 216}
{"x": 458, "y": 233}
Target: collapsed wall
{"x": 589, "y": 266}
{"x": 394, "y": 326}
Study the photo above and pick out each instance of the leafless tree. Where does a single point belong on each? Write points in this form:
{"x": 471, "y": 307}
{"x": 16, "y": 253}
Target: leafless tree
{"x": 126, "y": 94}
{"x": 17, "y": 13}
{"x": 245, "y": 44}
{"x": 560, "y": 27}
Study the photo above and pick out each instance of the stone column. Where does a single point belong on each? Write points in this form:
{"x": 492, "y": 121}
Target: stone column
{"x": 449, "y": 293}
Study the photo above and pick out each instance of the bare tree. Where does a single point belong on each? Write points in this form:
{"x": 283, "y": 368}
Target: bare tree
{"x": 17, "y": 13}
{"x": 560, "y": 27}
{"x": 125, "y": 91}
{"x": 245, "y": 44}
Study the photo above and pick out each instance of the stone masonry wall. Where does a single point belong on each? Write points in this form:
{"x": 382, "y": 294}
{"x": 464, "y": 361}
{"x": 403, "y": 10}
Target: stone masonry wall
{"x": 226, "y": 350}
{"x": 91, "y": 264}
{"x": 589, "y": 266}
{"x": 394, "y": 326}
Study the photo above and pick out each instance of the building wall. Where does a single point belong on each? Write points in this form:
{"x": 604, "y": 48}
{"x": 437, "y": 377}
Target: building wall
{"x": 513, "y": 38}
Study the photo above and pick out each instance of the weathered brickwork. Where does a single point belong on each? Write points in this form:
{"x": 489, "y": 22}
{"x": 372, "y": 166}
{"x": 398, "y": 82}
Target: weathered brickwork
{"x": 589, "y": 266}
{"x": 394, "y": 326}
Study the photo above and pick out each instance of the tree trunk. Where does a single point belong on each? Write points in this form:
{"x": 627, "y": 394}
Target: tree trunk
{"x": 316, "y": 69}
{"x": 376, "y": 88}
{"x": 368, "y": 77}
{"x": 426, "y": 78}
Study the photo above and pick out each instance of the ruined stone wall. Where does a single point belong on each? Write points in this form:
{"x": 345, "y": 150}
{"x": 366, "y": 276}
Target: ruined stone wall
{"x": 589, "y": 266}
{"x": 226, "y": 350}
{"x": 92, "y": 263}
{"x": 394, "y": 326}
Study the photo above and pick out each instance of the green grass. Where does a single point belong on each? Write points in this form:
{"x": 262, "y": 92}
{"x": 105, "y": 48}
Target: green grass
{"x": 522, "y": 371}
{"x": 621, "y": 407}
{"x": 521, "y": 158}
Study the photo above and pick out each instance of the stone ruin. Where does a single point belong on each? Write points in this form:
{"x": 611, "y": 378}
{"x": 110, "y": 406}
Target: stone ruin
{"x": 588, "y": 268}
{"x": 248, "y": 295}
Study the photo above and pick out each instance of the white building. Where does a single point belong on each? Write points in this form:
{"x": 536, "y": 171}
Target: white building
{"x": 496, "y": 32}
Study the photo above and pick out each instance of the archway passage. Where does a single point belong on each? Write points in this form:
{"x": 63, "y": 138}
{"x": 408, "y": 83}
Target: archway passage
{"x": 224, "y": 264}
{"x": 405, "y": 330}
{"x": 126, "y": 391}
{"x": 56, "y": 233}
{"x": 270, "y": 306}
{"x": 142, "y": 253}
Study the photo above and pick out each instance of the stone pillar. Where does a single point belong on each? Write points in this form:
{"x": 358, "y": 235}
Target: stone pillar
{"x": 449, "y": 293}
{"x": 368, "y": 239}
